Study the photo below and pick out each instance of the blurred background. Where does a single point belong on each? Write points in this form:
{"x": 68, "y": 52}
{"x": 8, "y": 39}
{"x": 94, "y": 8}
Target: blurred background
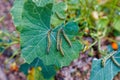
{"x": 9, "y": 45}
{"x": 10, "y": 60}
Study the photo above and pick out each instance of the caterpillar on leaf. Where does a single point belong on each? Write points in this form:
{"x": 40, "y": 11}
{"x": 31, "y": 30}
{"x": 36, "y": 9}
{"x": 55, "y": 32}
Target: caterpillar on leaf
{"x": 115, "y": 62}
{"x": 49, "y": 41}
{"x": 107, "y": 57}
{"x": 60, "y": 46}
{"x": 58, "y": 38}
{"x": 66, "y": 38}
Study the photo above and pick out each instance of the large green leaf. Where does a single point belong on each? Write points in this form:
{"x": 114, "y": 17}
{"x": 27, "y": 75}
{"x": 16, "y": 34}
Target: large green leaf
{"x": 47, "y": 71}
{"x": 33, "y": 34}
{"x": 109, "y": 71}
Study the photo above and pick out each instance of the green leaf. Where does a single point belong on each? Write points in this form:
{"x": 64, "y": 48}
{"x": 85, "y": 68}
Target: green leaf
{"x": 38, "y": 76}
{"x": 59, "y": 9}
{"x": 116, "y": 33}
{"x": 33, "y": 35}
{"x": 116, "y": 24}
{"x": 47, "y": 71}
{"x": 35, "y": 74}
{"x": 59, "y": 14}
{"x": 17, "y": 11}
{"x": 55, "y": 20}
{"x": 102, "y": 23}
{"x": 109, "y": 71}
{"x": 42, "y": 3}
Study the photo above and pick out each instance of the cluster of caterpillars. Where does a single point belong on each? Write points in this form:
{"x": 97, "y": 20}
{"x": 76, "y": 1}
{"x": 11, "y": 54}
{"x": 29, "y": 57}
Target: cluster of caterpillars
{"x": 59, "y": 40}
{"x": 111, "y": 55}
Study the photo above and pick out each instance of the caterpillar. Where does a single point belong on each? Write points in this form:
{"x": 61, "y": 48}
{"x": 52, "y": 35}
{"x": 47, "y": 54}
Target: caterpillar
{"x": 66, "y": 38}
{"x": 115, "y": 62}
{"x": 49, "y": 41}
{"x": 107, "y": 57}
{"x": 58, "y": 38}
{"x": 60, "y": 47}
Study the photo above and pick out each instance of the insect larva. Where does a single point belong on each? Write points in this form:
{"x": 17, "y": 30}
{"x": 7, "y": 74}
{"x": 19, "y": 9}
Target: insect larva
{"x": 113, "y": 59}
{"x": 58, "y": 38}
{"x": 60, "y": 46}
{"x": 49, "y": 41}
{"x": 103, "y": 62}
{"x": 66, "y": 38}
{"x": 107, "y": 57}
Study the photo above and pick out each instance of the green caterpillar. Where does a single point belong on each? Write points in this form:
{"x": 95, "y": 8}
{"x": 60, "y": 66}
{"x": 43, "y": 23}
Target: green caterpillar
{"x": 60, "y": 46}
{"x": 49, "y": 41}
{"x": 115, "y": 62}
{"x": 66, "y": 38}
{"x": 107, "y": 57}
{"x": 58, "y": 38}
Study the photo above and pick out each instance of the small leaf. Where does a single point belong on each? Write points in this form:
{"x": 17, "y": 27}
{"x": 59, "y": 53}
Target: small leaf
{"x": 102, "y": 23}
{"x": 46, "y": 71}
{"x": 59, "y": 9}
{"x": 59, "y": 13}
{"x": 35, "y": 74}
{"x": 116, "y": 24}
{"x": 17, "y": 11}
{"x": 55, "y": 20}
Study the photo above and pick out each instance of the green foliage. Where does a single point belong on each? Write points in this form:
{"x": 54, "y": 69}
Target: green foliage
{"x": 102, "y": 23}
{"x": 59, "y": 9}
{"x": 17, "y": 11}
{"x": 34, "y": 19}
{"x": 109, "y": 71}
{"x": 59, "y": 14}
{"x": 116, "y": 24}
{"x": 46, "y": 71}
{"x": 33, "y": 32}
{"x": 42, "y": 3}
